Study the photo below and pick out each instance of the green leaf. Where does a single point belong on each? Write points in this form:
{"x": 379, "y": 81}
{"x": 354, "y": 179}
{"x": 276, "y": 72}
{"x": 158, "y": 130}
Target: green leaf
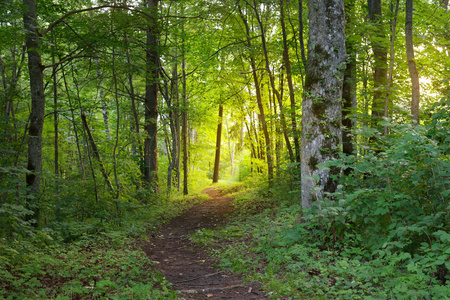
{"x": 447, "y": 264}
{"x": 107, "y": 283}
{"x": 445, "y": 193}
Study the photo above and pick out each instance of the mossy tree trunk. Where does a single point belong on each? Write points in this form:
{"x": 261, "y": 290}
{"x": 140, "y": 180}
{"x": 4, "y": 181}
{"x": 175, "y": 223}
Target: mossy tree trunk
{"x": 322, "y": 98}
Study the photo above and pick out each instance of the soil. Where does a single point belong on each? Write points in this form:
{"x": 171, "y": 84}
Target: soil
{"x": 188, "y": 266}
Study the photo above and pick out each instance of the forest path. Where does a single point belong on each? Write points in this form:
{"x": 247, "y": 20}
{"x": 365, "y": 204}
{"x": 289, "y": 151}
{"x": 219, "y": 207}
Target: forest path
{"x": 188, "y": 266}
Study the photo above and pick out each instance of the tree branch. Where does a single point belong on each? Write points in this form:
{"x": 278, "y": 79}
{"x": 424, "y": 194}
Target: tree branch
{"x": 69, "y": 59}
{"x": 45, "y": 31}
{"x": 192, "y": 17}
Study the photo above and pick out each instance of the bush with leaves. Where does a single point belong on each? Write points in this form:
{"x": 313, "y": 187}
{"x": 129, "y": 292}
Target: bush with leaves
{"x": 385, "y": 232}
{"x": 394, "y": 203}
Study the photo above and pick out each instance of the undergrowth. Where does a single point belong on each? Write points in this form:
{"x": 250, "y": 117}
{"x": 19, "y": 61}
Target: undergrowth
{"x": 384, "y": 234}
{"x": 89, "y": 259}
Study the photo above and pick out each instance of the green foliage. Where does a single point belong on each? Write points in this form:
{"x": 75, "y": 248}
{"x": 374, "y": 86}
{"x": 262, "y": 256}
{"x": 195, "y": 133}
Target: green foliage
{"x": 391, "y": 214}
{"x": 97, "y": 266}
{"x": 13, "y": 211}
{"x": 383, "y": 234}
{"x": 84, "y": 256}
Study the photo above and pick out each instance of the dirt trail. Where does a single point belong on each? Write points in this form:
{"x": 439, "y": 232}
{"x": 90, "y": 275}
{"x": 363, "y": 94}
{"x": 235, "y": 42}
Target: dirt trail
{"x": 187, "y": 266}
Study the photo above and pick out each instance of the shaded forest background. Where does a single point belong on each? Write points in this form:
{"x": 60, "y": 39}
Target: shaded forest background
{"x": 110, "y": 110}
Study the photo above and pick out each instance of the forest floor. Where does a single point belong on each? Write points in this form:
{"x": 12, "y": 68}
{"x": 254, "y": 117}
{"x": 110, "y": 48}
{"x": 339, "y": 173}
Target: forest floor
{"x": 188, "y": 266}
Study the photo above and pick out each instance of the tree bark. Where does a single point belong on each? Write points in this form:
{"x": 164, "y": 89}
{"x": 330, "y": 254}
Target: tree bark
{"x": 72, "y": 114}
{"x": 322, "y": 111}
{"x": 261, "y": 116}
{"x": 173, "y": 115}
{"x": 36, "y": 124}
{"x": 55, "y": 116}
{"x": 231, "y": 148}
{"x": 415, "y": 96}
{"x": 96, "y": 152}
{"x": 151, "y": 100}
{"x": 102, "y": 100}
{"x": 116, "y": 143}
{"x": 380, "y": 57}
{"x": 300, "y": 25}
{"x": 272, "y": 83}
{"x": 185, "y": 128}
{"x": 349, "y": 88}
{"x": 391, "y": 68}
{"x": 287, "y": 65}
{"x": 56, "y": 136}
{"x": 218, "y": 145}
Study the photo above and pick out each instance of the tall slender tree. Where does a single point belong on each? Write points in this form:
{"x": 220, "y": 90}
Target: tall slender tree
{"x": 380, "y": 61}
{"x": 349, "y": 85}
{"x": 261, "y": 115}
{"x": 272, "y": 80}
{"x": 36, "y": 124}
{"x": 218, "y": 144}
{"x": 391, "y": 66}
{"x": 184, "y": 130}
{"x": 415, "y": 95}
{"x": 287, "y": 65}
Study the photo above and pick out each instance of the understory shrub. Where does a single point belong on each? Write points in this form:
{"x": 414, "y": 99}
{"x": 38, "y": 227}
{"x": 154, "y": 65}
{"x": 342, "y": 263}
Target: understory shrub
{"x": 384, "y": 234}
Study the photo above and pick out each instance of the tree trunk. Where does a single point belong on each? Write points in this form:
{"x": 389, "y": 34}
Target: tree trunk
{"x": 55, "y": 114}
{"x": 349, "y": 88}
{"x": 261, "y": 116}
{"x": 231, "y": 148}
{"x": 300, "y": 26}
{"x": 380, "y": 57}
{"x": 96, "y": 152}
{"x": 322, "y": 111}
{"x": 272, "y": 83}
{"x": 151, "y": 100}
{"x": 391, "y": 68}
{"x": 173, "y": 115}
{"x": 72, "y": 114}
{"x": 102, "y": 100}
{"x": 36, "y": 124}
{"x": 56, "y": 137}
{"x": 415, "y": 97}
{"x": 185, "y": 129}
{"x": 252, "y": 146}
{"x": 218, "y": 145}
{"x": 116, "y": 143}
{"x": 276, "y": 134}
{"x": 287, "y": 65}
